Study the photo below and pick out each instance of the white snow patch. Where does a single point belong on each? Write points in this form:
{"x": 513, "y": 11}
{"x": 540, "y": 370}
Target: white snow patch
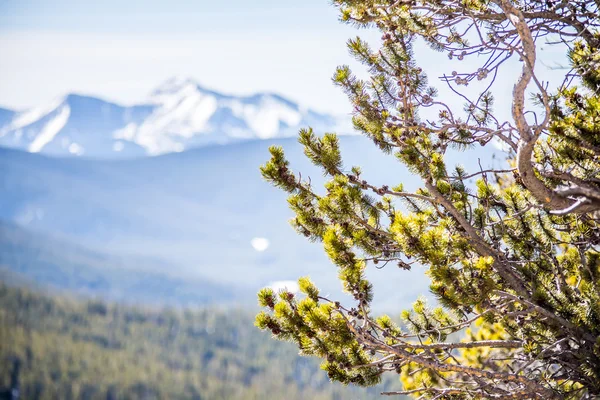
{"x": 260, "y": 244}
{"x": 76, "y": 149}
{"x": 30, "y": 116}
{"x": 50, "y": 130}
{"x": 118, "y": 146}
{"x": 265, "y": 118}
{"x": 183, "y": 114}
{"x": 127, "y": 132}
{"x": 290, "y": 286}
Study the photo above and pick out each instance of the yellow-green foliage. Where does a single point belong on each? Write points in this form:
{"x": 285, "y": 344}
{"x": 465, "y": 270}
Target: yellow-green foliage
{"x": 75, "y": 349}
{"x": 512, "y": 252}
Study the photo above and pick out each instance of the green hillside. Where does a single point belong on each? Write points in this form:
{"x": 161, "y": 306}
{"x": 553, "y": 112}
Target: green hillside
{"x": 73, "y": 349}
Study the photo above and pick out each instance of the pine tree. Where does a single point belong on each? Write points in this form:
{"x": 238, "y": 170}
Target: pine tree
{"x": 512, "y": 254}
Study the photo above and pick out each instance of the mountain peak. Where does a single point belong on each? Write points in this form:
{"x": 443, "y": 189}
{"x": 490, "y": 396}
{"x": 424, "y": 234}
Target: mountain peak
{"x": 179, "y": 114}
{"x": 176, "y": 84}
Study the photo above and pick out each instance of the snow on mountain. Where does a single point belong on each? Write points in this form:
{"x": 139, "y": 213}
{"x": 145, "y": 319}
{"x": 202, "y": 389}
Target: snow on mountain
{"x": 178, "y": 115}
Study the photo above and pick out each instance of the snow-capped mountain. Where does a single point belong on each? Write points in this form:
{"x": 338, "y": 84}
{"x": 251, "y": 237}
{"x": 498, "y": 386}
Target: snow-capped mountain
{"x": 178, "y": 115}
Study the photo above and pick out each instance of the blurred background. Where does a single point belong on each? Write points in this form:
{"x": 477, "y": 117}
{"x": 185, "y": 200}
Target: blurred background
{"x": 135, "y": 229}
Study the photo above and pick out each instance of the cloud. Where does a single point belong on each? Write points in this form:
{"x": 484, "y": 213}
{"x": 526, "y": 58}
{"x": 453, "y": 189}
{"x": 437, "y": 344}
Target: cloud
{"x": 260, "y": 244}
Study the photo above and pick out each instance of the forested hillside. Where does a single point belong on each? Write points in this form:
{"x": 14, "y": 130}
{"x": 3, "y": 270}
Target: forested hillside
{"x": 72, "y": 349}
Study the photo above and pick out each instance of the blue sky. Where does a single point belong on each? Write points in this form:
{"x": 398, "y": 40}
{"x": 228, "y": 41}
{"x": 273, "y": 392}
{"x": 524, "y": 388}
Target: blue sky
{"x": 153, "y": 16}
{"x": 121, "y": 50}
{"x": 176, "y": 15}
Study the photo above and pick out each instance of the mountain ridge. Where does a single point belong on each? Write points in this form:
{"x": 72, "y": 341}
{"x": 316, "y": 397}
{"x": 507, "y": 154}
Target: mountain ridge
{"x": 47, "y": 261}
{"x": 201, "y": 210}
{"x": 179, "y": 114}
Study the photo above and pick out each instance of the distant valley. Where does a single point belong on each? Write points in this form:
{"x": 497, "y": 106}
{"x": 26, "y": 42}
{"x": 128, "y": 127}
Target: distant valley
{"x": 196, "y": 214}
{"x": 56, "y": 265}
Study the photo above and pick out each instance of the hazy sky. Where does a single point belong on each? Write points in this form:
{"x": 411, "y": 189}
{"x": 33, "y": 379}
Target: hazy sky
{"x": 121, "y": 50}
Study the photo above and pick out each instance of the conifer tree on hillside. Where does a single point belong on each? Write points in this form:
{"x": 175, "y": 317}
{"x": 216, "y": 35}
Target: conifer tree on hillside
{"x": 513, "y": 255}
